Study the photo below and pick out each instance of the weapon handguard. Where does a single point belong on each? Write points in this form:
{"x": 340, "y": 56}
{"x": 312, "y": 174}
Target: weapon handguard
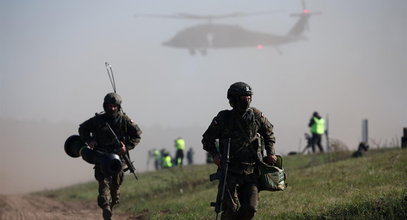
{"x": 221, "y": 175}
{"x": 126, "y": 156}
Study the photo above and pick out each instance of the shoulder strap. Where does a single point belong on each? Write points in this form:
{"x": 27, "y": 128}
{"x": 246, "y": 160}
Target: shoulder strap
{"x": 228, "y": 116}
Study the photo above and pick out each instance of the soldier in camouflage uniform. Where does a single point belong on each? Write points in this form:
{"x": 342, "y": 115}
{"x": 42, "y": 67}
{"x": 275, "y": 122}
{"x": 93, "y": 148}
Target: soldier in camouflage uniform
{"x": 96, "y": 134}
{"x": 245, "y": 126}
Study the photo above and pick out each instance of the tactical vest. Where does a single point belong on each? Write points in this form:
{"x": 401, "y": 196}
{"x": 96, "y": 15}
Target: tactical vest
{"x": 102, "y": 134}
{"x": 245, "y": 142}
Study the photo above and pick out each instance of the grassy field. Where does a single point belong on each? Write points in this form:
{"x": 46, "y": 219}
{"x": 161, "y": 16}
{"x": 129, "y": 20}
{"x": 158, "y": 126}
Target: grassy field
{"x": 321, "y": 186}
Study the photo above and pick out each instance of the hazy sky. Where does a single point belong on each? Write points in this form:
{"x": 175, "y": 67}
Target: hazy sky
{"x": 350, "y": 65}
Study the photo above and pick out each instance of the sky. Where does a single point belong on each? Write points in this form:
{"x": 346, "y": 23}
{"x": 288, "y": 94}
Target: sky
{"x": 351, "y": 65}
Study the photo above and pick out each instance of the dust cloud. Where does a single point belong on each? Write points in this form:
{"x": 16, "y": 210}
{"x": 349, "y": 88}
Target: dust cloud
{"x": 349, "y": 65}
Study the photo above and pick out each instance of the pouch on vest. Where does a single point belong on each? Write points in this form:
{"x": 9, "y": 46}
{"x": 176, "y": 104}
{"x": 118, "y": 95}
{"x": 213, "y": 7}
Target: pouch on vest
{"x": 272, "y": 177}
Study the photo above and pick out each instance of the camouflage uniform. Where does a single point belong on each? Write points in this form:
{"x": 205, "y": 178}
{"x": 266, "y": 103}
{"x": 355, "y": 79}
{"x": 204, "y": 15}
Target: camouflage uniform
{"x": 241, "y": 198}
{"x": 95, "y": 129}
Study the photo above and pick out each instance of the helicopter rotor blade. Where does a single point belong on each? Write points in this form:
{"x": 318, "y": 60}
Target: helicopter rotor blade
{"x": 208, "y": 17}
{"x": 308, "y": 13}
{"x": 158, "y": 16}
{"x": 316, "y": 13}
{"x": 244, "y": 14}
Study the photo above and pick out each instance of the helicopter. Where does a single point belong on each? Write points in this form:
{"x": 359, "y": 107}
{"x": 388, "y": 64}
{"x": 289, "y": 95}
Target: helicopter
{"x": 202, "y": 37}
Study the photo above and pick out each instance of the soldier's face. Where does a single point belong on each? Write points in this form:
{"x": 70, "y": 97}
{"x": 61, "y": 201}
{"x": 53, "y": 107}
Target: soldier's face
{"x": 246, "y": 98}
{"x": 243, "y": 102}
{"x": 112, "y": 109}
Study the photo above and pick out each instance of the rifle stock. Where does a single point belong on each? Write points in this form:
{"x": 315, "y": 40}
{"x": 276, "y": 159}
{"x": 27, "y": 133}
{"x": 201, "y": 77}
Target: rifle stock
{"x": 221, "y": 175}
{"x": 126, "y": 156}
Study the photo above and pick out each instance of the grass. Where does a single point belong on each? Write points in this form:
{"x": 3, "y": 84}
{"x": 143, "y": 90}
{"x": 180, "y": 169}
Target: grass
{"x": 320, "y": 186}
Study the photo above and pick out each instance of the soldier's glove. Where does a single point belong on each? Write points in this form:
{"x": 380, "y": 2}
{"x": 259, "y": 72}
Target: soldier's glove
{"x": 271, "y": 159}
{"x": 92, "y": 144}
{"x": 122, "y": 149}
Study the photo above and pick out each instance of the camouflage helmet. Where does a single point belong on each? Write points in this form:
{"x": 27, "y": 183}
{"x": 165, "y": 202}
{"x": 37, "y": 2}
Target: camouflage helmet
{"x": 239, "y": 89}
{"x": 113, "y": 99}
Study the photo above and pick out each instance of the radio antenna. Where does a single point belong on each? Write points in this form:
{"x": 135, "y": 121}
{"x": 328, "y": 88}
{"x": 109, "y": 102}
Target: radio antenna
{"x": 111, "y": 76}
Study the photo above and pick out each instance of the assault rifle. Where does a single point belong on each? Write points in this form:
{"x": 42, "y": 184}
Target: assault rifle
{"x": 221, "y": 175}
{"x": 126, "y": 156}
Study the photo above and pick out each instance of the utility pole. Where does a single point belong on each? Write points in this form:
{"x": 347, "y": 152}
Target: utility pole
{"x": 328, "y": 147}
{"x": 365, "y": 131}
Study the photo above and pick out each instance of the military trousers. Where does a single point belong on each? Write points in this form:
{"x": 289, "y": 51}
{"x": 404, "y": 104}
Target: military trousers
{"x": 242, "y": 197}
{"x": 109, "y": 188}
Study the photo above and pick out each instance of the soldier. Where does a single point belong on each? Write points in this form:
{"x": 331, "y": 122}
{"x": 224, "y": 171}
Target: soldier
{"x": 96, "y": 134}
{"x": 157, "y": 159}
{"x": 241, "y": 125}
{"x": 166, "y": 159}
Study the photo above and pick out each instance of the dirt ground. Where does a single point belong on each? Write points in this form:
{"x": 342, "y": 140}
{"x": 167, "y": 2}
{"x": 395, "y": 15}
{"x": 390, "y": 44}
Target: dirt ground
{"x": 32, "y": 207}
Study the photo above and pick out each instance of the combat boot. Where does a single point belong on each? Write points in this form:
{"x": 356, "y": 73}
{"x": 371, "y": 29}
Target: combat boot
{"x": 107, "y": 213}
{"x": 114, "y": 203}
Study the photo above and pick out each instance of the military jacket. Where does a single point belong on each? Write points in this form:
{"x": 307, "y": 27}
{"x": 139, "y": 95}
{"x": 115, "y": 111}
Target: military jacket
{"x": 96, "y": 129}
{"x": 247, "y": 131}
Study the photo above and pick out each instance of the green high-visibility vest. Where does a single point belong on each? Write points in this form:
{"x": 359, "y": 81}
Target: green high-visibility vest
{"x": 180, "y": 144}
{"x": 157, "y": 154}
{"x": 167, "y": 162}
{"x": 319, "y": 126}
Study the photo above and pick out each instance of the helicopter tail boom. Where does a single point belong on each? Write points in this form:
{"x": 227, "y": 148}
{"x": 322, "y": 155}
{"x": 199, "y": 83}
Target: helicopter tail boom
{"x": 302, "y": 23}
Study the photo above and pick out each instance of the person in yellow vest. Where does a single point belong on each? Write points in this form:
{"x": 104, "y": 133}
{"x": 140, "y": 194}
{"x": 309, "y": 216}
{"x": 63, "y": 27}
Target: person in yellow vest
{"x": 179, "y": 154}
{"x": 317, "y": 127}
{"x": 166, "y": 159}
{"x": 157, "y": 159}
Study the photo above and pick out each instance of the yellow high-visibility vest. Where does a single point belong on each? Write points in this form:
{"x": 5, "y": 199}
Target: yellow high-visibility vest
{"x": 167, "y": 162}
{"x": 157, "y": 154}
{"x": 319, "y": 126}
{"x": 180, "y": 144}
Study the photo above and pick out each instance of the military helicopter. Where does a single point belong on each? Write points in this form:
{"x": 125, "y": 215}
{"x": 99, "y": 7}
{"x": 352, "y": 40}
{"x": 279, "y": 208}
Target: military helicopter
{"x": 207, "y": 36}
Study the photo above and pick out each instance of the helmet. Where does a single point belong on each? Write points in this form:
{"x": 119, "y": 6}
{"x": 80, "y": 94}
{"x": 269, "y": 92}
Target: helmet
{"x": 112, "y": 98}
{"x": 239, "y": 89}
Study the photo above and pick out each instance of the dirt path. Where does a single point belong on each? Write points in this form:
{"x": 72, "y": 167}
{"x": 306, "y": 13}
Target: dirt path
{"x": 30, "y": 207}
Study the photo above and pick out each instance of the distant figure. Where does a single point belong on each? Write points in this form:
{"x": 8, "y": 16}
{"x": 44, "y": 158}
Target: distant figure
{"x": 166, "y": 160}
{"x": 179, "y": 154}
{"x": 317, "y": 126}
{"x": 190, "y": 156}
{"x": 149, "y": 156}
{"x": 362, "y": 149}
{"x": 94, "y": 132}
{"x": 404, "y": 138}
{"x": 157, "y": 159}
